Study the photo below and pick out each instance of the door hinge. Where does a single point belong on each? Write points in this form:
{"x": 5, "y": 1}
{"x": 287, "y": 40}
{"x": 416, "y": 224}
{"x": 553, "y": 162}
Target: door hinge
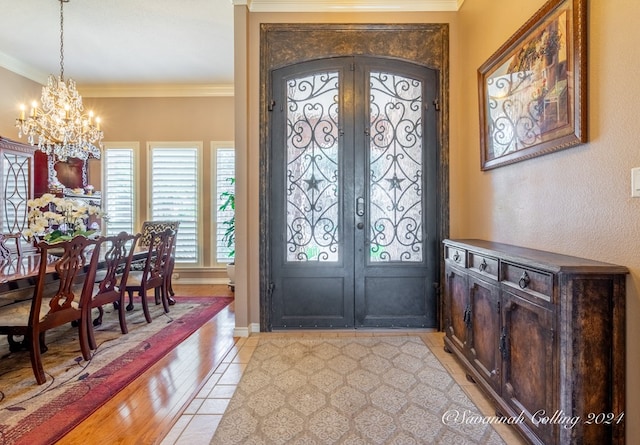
{"x": 436, "y": 103}
{"x": 352, "y": 66}
{"x": 271, "y": 105}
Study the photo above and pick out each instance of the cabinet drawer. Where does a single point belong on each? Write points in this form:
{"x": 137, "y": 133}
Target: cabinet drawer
{"x": 534, "y": 282}
{"x": 455, "y": 254}
{"x": 483, "y": 264}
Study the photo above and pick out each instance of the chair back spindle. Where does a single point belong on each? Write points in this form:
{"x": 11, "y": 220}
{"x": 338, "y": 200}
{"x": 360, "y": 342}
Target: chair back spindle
{"x": 118, "y": 254}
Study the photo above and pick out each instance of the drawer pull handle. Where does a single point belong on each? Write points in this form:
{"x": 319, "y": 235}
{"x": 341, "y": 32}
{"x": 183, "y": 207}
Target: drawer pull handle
{"x": 467, "y": 316}
{"x": 483, "y": 266}
{"x": 524, "y": 280}
{"x": 456, "y": 257}
{"x": 503, "y": 344}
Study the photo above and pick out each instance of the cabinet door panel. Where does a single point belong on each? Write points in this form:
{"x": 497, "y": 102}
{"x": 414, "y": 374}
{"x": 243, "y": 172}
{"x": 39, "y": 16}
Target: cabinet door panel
{"x": 485, "y": 330}
{"x": 527, "y": 342}
{"x": 457, "y": 308}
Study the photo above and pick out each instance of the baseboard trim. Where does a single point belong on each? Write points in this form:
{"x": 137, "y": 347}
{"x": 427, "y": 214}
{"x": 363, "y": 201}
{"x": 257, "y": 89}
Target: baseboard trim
{"x": 200, "y": 280}
{"x": 246, "y": 331}
{"x": 241, "y": 332}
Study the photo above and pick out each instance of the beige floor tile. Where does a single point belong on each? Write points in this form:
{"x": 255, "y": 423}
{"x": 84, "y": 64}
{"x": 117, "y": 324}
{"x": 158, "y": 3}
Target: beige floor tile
{"x": 230, "y": 380}
{"x": 176, "y": 431}
{"x": 253, "y": 340}
{"x": 222, "y": 392}
{"x": 199, "y": 430}
{"x": 211, "y": 383}
{"x": 194, "y": 406}
{"x": 244, "y": 355}
{"x": 213, "y": 406}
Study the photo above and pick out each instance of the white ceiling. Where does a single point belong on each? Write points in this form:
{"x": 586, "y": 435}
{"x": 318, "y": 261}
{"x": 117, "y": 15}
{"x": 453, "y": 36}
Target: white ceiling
{"x": 158, "y": 44}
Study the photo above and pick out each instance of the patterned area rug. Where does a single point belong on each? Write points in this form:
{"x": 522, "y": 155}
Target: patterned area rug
{"x": 348, "y": 390}
{"x": 41, "y": 414}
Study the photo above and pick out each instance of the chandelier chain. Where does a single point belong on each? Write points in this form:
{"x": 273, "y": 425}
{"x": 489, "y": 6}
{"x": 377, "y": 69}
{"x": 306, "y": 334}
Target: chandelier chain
{"x": 62, "y": 2}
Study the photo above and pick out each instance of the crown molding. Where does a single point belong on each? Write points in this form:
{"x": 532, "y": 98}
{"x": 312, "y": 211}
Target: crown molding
{"x": 18, "y": 67}
{"x": 169, "y": 90}
{"x": 139, "y": 90}
{"x": 350, "y": 5}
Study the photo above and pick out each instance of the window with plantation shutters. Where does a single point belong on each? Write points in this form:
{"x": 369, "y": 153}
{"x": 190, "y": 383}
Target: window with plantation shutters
{"x": 175, "y": 193}
{"x": 225, "y": 174}
{"x": 119, "y": 178}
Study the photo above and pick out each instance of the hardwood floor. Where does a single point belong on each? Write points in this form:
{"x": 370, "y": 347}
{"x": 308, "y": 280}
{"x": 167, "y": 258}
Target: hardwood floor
{"x": 145, "y": 411}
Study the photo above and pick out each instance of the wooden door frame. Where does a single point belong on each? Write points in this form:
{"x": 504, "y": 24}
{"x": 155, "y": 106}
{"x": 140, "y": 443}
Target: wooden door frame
{"x": 287, "y": 44}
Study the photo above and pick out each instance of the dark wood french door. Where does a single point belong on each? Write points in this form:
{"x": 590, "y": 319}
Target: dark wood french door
{"x": 352, "y": 194}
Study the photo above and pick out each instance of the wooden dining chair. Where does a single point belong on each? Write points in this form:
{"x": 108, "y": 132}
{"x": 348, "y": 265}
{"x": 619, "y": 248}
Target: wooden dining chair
{"x": 50, "y": 308}
{"x": 5, "y": 251}
{"x": 110, "y": 281}
{"x": 148, "y": 229}
{"x": 154, "y": 275}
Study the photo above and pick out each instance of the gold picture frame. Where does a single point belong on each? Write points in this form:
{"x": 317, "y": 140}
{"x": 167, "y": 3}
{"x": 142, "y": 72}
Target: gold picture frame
{"x": 532, "y": 91}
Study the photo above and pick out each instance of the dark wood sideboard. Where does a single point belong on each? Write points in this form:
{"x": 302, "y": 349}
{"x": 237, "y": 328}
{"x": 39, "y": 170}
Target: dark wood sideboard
{"x": 543, "y": 335}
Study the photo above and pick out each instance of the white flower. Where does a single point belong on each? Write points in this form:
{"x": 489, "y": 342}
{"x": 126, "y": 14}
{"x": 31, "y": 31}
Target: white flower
{"x": 48, "y": 213}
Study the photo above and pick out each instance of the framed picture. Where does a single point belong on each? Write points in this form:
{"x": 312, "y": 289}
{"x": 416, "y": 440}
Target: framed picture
{"x": 533, "y": 89}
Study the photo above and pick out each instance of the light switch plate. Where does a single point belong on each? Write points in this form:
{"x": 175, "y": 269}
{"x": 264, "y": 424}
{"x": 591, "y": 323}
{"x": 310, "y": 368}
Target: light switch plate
{"x": 635, "y": 182}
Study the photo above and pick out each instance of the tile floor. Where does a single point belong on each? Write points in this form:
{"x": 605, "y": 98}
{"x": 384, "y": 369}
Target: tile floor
{"x": 197, "y": 424}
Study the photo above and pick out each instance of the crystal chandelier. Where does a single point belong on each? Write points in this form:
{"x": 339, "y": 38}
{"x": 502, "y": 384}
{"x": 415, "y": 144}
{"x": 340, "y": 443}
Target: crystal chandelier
{"x": 59, "y": 126}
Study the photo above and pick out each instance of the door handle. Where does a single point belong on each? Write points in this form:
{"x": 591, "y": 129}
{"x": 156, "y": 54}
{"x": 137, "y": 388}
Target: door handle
{"x": 360, "y": 206}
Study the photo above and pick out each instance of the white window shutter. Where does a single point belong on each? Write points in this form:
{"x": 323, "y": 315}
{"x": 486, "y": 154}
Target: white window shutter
{"x": 175, "y": 195}
{"x": 119, "y": 185}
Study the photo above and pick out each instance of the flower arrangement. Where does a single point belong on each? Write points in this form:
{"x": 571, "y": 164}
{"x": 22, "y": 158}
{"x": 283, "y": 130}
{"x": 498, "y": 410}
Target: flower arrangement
{"x": 56, "y": 219}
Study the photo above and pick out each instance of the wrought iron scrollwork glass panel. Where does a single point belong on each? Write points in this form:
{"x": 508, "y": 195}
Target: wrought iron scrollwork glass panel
{"x": 395, "y": 163}
{"x": 312, "y": 182}
{"x": 16, "y": 169}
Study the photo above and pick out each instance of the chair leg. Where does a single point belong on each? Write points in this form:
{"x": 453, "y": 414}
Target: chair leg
{"x": 145, "y": 306}
{"x": 121, "y": 315}
{"x": 130, "y": 305}
{"x": 36, "y": 359}
{"x": 170, "y": 299}
{"x": 98, "y": 320}
{"x": 85, "y": 337}
{"x": 91, "y": 338}
{"x": 165, "y": 297}
{"x": 43, "y": 344}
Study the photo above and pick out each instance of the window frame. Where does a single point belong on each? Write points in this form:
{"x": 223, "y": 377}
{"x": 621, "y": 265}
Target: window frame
{"x": 198, "y": 146}
{"x": 214, "y": 147}
{"x": 135, "y": 147}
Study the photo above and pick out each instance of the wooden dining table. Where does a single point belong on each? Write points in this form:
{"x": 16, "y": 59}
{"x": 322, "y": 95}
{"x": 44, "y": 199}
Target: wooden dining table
{"x": 20, "y": 272}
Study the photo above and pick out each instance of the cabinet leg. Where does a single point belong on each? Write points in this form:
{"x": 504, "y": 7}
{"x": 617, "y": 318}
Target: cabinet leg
{"x": 470, "y": 378}
{"x": 446, "y": 349}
